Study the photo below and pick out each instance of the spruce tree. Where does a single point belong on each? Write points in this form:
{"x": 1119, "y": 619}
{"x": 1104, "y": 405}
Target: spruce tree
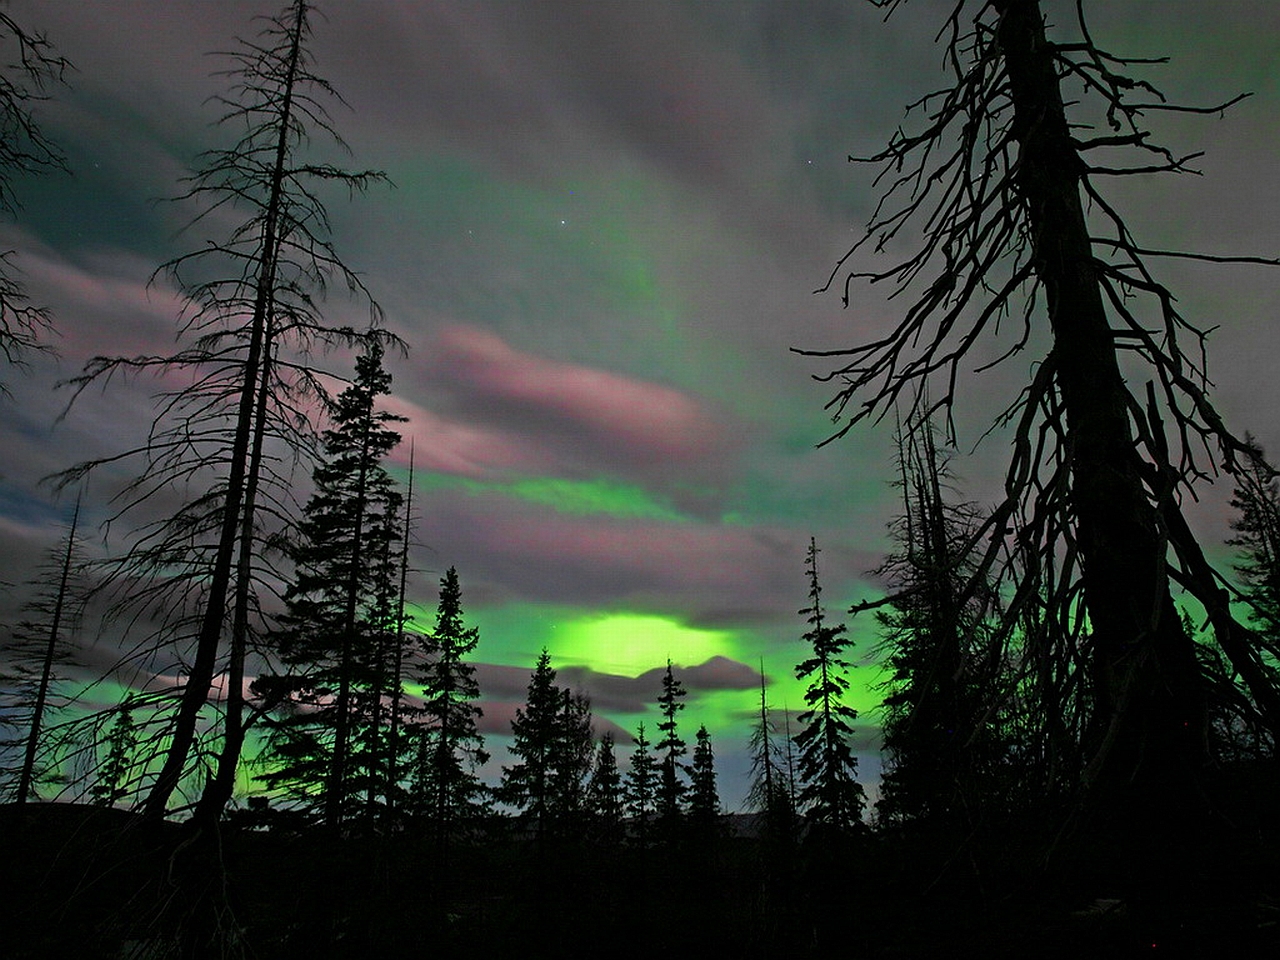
{"x": 704, "y": 800}
{"x": 1236, "y": 732}
{"x": 605, "y": 799}
{"x": 334, "y": 632}
{"x": 112, "y": 783}
{"x": 671, "y": 787}
{"x": 395, "y": 767}
{"x": 552, "y": 745}
{"x": 452, "y": 796}
{"x": 640, "y": 785}
{"x": 1257, "y": 538}
{"x": 527, "y": 784}
{"x": 830, "y": 796}
{"x": 571, "y": 764}
{"x": 943, "y": 679}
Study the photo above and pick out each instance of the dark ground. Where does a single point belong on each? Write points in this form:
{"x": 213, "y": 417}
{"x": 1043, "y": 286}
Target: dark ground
{"x": 92, "y": 883}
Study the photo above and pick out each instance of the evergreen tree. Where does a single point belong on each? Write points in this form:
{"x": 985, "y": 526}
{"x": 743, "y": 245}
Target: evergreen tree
{"x": 830, "y": 796}
{"x": 671, "y": 788}
{"x": 552, "y": 744}
{"x": 1234, "y": 725}
{"x": 1257, "y": 529}
{"x": 526, "y": 784}
{"x": 704, "y": 800}
{"x": 571, "y": 764}
{"x": 605, "y": 798}
{"x": 335, "y": 632}
{"x": 112, "y": 783}
{"x": 640, "y": 786}
{"x": 395, "y": 768}
{"x": 452, "y": 794}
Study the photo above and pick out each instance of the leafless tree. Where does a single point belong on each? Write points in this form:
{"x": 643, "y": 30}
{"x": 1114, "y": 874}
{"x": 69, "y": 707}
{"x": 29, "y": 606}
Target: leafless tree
{"x": 31, "y": 67}
{"x": 1001, "y": 176}
{"x": 39, "y": 651}
{"x": 241, "y": 398}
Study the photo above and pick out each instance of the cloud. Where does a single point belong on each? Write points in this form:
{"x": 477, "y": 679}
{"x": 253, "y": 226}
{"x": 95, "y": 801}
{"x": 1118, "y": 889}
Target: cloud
{"x": 536, "y": 553}
{"x": 444, "y": 445}
{"x": 586, "y": 413}
{"x": 637, "y": 694}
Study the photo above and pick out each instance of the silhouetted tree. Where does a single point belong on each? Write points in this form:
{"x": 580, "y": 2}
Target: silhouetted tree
{"x": 996, "y": 175}
{"x": 31, "y": 66}
{"x": 335, "y": 630}
{"x": 605, "y": 798}
{"x": 552, "y": 744}
{"x": 941, "y": 692}
{"x": 704, "y": 798}
{"x": 112, "y": 783}
{"x": 241, "y": 416}
{"x": 39, "y": 649}
{"x": 1257, "y": 529}
{"x": 1234, "y": 716}
{"x": 771, "y": 793}
{"x": 394, "y": 771}
{"x": 830, "y": 796}
{"x": 671, "y": 787}
{"x": 451, "y": 793}
{"x": 378, "y": 764}
{"x": 571, "y": 766}
{"x": 640, "y": 786}
{"x": 526, "y": 784}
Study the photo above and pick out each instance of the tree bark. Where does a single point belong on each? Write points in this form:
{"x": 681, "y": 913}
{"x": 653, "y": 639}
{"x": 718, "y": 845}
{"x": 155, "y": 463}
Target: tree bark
{"x": 1150, "y": 720}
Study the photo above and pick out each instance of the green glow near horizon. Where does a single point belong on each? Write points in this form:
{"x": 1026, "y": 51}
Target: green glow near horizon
{"x": 599, "y": 496}
{"x": 620, "y": 642}
{"x": 629, "y": 644}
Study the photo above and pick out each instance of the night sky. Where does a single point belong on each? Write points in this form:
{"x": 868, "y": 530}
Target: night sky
{"x": 607, "y": 223}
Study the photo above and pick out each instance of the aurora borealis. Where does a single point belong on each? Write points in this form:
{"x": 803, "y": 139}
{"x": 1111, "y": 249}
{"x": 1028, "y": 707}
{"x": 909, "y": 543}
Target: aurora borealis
{"x": 606, "y": 225}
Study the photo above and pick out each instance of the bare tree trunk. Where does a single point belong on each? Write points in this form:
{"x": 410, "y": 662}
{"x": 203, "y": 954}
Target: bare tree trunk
{"x": 1150, "y": 722}
{"x": 46, "y": 668}
{"x": 200, "y": 679}
{"x": 218, "y": 791}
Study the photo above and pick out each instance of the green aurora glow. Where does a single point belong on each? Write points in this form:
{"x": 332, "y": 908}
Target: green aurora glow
{"x": 601, "y": 495}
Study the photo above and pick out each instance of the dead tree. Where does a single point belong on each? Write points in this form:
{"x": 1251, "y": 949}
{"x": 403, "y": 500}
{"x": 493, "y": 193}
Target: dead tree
{"x": 996, "y": 175}
{"x": 244, "y": 413}
{"x": 40, "y": 648}
{"x": 31, "y": 67}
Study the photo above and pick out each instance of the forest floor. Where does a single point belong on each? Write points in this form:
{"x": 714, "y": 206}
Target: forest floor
{"x": 95, "y": 883}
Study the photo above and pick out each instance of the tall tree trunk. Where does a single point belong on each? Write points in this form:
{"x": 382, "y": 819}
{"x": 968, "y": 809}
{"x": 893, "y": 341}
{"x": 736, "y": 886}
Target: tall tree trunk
{"x": 26, "y": 777}
{"x": 1149, "y": 728}
{"x": 218, "y": 791}
{"x": 200, "y": 678}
